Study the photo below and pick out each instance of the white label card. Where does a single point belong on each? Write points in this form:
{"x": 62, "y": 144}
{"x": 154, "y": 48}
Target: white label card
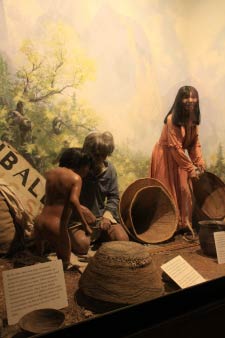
{"x": 34, "y": 287}
{"x": 219, "y": 237}
{"x": 182, "y": 272}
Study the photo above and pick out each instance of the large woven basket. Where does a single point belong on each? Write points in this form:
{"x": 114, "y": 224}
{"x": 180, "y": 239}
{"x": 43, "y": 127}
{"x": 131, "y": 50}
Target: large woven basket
{"x": 209, "y": 194}
{"x": 148, "y": 212}
{"x": 121, "y": 272}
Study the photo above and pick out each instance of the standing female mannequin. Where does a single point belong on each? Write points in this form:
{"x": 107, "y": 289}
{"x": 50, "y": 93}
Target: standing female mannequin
{"x": 169, "y": 163}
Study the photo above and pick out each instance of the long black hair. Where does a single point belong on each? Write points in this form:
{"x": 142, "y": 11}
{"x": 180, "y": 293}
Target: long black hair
{"x": 179, "y": 117}
{"x": 75, "y": 158}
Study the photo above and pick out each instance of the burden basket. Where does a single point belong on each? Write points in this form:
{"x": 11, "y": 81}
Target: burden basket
{"x": 148, "y": 212}
{"x": 209, "y": 194}
{"x": 121, "y": 272}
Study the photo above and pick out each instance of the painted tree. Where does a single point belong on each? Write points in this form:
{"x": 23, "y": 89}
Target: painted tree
{"x": 220, "y": 164}
{"x": 5, "y": 84}
{"x": 219, "y": 167}
{"x": 53, "y": 68}
{"x": 130, "y": 165}
{"x": 40, "y": 110}
{"x": 6, "y": 98}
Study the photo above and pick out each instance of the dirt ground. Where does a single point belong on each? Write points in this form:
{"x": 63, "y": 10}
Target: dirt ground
{"x": 77, "y": 311}
{"x": 73, "y": 313}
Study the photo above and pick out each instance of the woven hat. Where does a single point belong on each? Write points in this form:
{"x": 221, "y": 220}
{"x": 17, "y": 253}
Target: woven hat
{"x": 209, "y": 194}
{"x": 121, "y": 272}
{"x": 147, "y": 211}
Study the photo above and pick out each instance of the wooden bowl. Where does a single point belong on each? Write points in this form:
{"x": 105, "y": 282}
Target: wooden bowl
{"x": 42, "y": 320}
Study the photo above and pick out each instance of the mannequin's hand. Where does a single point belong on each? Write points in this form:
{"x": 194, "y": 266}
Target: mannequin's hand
{"x": 105, "y": 224}
{"x": 201, "y": 169}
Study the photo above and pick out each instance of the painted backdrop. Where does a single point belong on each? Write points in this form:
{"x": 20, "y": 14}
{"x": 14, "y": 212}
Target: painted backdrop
{"x": 80, "y": 65}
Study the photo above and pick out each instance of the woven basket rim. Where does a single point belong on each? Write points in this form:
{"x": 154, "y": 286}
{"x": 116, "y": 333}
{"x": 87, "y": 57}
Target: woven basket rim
{"x": 127, "y": 197}
{"x": 198, "y": 190}
{"x": 173, "y": 225}
{"x": 138, "y": 184}
{"x": 208, "y": 173}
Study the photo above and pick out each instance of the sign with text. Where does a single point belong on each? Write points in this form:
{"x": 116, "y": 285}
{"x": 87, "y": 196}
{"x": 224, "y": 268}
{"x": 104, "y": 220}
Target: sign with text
{"x": 182, "y": 272}
{"x": 25, "y": 181}
{"x": 34, "y": 287}
{"x": 219, "y": 237}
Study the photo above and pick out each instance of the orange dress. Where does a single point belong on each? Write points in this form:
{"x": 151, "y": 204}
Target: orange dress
{"x": 174, "y": 167}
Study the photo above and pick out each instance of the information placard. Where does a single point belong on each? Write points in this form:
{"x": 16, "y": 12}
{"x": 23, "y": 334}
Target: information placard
{"x": 34, "y": 287}
{"x": 219, "y": 237}
{"x": 182, "y": 272}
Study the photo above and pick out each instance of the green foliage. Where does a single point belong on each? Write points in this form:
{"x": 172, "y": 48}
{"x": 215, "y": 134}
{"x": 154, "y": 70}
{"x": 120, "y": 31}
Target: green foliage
{"x": 218, "y": 167}
{"x": 130, "y": 165}
{"x": 5, "y": 84}
{"x": 46, "y": 83}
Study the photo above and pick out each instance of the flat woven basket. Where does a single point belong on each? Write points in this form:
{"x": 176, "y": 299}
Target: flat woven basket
{"x": 121, "y": 272}
{"x": 148, "y": 212}
{"x": 209, "y": 195}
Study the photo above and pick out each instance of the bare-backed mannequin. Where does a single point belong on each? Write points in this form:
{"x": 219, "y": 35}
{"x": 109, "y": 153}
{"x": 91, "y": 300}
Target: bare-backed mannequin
{"x": 63, "y": 186}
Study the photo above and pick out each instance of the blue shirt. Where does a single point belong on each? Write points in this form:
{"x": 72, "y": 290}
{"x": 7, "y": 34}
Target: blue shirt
{"x": 100, "y": 193}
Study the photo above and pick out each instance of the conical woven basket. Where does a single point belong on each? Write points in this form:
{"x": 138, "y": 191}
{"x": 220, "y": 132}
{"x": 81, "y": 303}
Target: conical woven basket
{"x": 209, "y": 194}
{"x": 148, "y": 212}
{"x": 121, "y": 272}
